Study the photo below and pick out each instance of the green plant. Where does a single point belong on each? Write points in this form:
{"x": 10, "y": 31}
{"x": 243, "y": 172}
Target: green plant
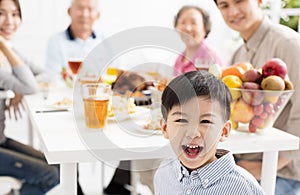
{"x": 290, "y": 21}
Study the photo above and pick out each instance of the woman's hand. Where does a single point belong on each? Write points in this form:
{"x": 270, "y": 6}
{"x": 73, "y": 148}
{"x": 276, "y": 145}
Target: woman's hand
{"x": 9, "y": 53}
{"x": 15, "y": 104}
{"x": 2, "y": 42}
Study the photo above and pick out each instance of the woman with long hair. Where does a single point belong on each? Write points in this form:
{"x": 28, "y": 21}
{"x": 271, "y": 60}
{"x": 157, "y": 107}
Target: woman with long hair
{"x": 17, "y": 74}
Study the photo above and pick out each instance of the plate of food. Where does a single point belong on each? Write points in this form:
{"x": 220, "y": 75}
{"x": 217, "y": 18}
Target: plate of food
{"x": 140, "y": 127}
{"x": 121, "y": 108}
{"x": 152, "y": 123}
{"x": 64, "y": 103}
{"x": 147, "y": 122}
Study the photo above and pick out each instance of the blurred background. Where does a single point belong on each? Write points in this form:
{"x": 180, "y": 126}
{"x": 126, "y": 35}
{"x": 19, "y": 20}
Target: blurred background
{"x": 43, "y": 18}
{"x": 50, "y": 16}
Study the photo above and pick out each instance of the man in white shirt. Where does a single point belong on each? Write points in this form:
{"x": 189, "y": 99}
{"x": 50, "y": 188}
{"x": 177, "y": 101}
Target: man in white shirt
{"x": 78, "y": 39}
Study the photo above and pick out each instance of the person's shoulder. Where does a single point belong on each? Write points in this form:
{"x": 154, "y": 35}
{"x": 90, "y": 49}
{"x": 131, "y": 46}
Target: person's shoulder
{"x": 167, "y": 167}
{"x": 205, "y": 44}
{"x": 100, "y": 35}
{"x": 167, "y": 164}
{"x": 240, "y": 179}
{"x": 283, "y": 32}
{"x": 58, "y": 36}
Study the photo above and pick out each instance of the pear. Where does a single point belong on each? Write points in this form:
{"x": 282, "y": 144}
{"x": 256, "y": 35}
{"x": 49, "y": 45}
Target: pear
{"x": 273, "y": 82}
{"x": 288, "y": 84}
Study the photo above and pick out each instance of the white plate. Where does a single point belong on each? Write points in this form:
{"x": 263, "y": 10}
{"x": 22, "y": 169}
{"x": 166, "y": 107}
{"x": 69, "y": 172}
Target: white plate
{"x": 53, "y": 104}
{"x": 147, "y": 131}
{"x": 60, "y": 106}
{"x": 135, "y": 122}
{"x": 136, "y": 127}
{"x": 139, "y": 111}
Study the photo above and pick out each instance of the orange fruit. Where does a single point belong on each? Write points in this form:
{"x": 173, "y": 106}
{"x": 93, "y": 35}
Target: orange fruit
{"x": 233, "y": 70}
{"x": 244, "y": 65}
{"x": 237, "y": 69}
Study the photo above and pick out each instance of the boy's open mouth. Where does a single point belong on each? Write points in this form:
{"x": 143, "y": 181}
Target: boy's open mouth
{"x": 192, "y": 151}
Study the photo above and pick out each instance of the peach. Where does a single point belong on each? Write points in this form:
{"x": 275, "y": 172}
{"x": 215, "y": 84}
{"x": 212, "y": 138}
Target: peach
{"x": 241, "y": 111}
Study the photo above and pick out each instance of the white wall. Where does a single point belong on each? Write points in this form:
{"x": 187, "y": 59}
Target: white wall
{"x": 41, "y": 18}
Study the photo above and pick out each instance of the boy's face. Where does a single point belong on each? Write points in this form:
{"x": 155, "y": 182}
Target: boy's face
{"x": 194, "y": 129}
{"x": 240, "y": 15}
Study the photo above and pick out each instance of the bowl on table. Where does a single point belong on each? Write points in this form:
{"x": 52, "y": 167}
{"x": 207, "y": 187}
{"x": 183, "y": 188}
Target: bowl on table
{"x": 256, "y": 110}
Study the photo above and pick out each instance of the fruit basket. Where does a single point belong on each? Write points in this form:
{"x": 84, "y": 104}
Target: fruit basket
{"x": 256, "y": 110}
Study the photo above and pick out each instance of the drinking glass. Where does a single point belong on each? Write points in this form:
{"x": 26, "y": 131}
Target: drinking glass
{"x": 75, "y": 64}
{"x": 75, "y": 59}
{"x": 203, "y": 63}
{"x": 45, "y": 80}
{"x": 96, "y": 99}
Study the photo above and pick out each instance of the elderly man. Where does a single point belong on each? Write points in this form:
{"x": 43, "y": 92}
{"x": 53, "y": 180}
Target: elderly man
{"x": 78, "y": 39}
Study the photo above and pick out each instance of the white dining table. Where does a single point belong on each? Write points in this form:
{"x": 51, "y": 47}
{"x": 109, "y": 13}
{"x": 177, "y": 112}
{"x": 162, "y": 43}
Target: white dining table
{"x": 66, "y": 141}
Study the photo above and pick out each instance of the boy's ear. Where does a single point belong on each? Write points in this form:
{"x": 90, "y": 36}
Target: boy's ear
{"x": 163, "y": 126}
{"x": 226, "y": 130}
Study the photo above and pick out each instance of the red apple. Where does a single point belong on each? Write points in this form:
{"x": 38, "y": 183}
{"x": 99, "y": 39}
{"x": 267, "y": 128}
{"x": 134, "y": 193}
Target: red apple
{"x": 274, "y": 66}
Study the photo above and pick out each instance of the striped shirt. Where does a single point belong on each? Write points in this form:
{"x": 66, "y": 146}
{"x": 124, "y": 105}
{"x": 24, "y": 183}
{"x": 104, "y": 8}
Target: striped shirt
{"x": 222, "y": 176}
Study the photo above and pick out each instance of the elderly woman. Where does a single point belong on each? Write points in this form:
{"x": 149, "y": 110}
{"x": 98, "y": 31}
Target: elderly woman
{"x": 194, "y": 25}
{"x": 17, "y": 74}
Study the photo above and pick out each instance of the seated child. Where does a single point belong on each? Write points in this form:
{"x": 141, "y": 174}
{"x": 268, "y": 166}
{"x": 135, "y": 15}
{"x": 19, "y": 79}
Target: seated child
{"x": 196, "y": 110}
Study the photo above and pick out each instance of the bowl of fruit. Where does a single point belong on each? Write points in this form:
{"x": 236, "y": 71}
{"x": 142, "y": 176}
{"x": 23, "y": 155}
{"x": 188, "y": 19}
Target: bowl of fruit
{"x": 259, "y": 95}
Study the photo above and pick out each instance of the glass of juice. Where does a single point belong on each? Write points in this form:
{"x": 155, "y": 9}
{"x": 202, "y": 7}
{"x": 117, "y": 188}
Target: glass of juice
{"x": 75, "y": 64}
{"x": 96, "y": 99}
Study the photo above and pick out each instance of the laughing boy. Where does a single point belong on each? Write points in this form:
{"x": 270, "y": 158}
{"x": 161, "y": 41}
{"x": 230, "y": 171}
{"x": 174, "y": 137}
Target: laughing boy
{"x": 196, "y": 110}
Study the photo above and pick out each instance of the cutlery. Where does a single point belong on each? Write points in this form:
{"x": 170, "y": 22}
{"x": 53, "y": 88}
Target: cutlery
{"x": 47, "y": 111}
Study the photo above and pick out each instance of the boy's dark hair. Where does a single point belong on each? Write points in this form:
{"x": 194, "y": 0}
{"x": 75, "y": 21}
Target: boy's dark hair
{"x": 194, "y": 84}
{"x": 205, "y": 16}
